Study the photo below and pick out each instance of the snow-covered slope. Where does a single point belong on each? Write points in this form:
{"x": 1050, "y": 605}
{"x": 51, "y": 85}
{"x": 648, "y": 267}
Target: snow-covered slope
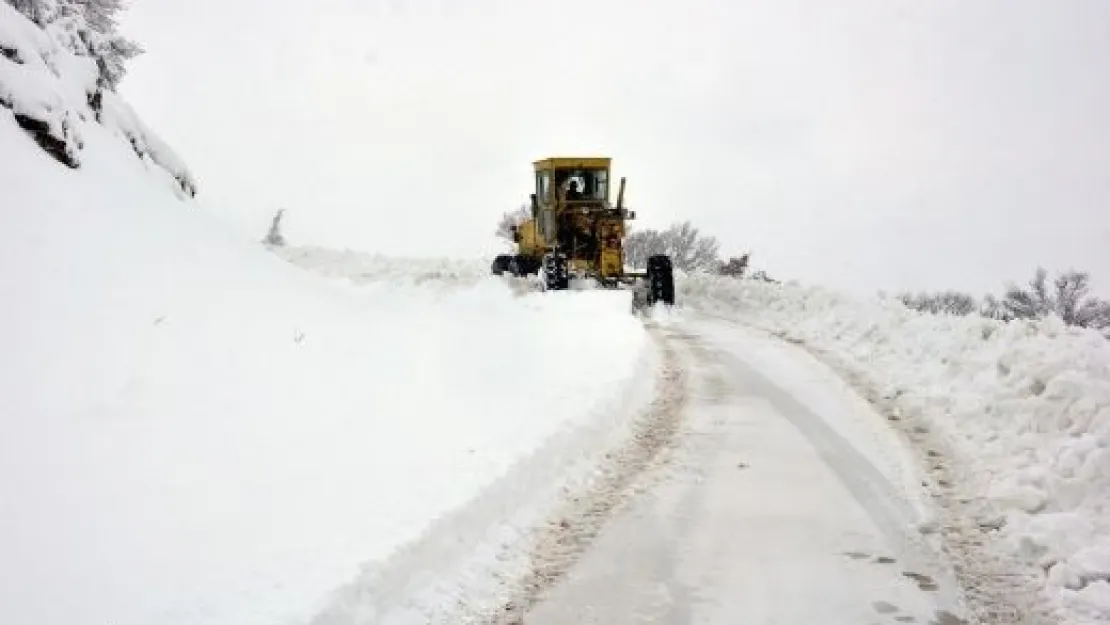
{"x": 1013, "y": 421}
{"x": 193, "y": 430}
{"x": 51, "y": 86}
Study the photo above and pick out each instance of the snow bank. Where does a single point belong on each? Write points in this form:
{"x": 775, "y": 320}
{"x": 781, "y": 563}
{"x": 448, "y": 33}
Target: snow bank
{"x": 53, "y": 93}
{"x": 193, "y": 430}
{"x": 1023, "y": 407}
{"x": 362, "y": 267}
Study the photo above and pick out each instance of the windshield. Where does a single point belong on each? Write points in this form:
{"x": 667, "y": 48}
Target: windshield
{"x": 583, "y": 184}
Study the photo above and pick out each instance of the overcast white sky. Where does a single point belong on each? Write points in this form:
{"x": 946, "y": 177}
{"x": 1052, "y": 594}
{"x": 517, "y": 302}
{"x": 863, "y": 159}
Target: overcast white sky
{"x": 867, "y": 145}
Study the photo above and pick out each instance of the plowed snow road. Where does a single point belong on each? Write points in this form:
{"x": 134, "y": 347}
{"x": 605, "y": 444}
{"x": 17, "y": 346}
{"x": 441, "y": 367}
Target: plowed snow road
{"x": 756, "y": 488}
{"x": 769, "y": 505}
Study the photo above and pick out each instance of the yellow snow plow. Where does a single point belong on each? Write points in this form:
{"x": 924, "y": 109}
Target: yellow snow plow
{"x": 575, "y": 231}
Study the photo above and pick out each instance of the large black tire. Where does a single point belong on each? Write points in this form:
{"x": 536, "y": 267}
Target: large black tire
{"x": 521, "y": 265}
{"x": 555, "y": 274}
{"x": 660, "y": 275}
{"x": 530, "y": 265}
{"x": 501, "y": 264}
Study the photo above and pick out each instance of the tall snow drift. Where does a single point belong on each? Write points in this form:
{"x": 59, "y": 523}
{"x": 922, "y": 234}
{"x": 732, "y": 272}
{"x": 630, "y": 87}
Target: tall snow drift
{"x": 193, "y": 430}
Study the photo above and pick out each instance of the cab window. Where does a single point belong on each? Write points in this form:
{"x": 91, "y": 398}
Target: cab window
{"x": 600, "y": 184}
{"x": 543, "y": 183}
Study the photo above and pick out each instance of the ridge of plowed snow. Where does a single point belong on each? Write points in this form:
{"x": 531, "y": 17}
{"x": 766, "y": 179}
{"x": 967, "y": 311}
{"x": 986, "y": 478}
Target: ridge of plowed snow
{"x": 1023, "y": 408}
{"x": 362, "y": 267}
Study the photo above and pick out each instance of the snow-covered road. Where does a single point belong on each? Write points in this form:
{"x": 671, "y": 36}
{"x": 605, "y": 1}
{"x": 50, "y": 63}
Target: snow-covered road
{"x": 765, "y": 509}
{"x": 194, "y": 431}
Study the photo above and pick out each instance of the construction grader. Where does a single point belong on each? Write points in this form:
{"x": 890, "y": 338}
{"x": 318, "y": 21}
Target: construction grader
{"x": 574, "y": 232}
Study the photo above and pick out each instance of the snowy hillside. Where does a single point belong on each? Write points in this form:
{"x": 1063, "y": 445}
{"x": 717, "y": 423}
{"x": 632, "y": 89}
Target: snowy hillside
{"x": 1013, "y": 421}
{"x": 55, "y": 85}
{"x": 193, "y": 430}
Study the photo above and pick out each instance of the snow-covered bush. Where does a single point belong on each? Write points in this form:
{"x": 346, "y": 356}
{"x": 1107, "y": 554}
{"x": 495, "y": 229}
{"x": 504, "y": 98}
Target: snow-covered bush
{"x": 735, "y": 267}
{"x": 1068, "y": 298}
{"x": 946, "y": 302}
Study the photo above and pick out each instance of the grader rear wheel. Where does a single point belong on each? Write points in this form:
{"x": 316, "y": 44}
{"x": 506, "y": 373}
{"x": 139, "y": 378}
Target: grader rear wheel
{"x": 660, "y": 276}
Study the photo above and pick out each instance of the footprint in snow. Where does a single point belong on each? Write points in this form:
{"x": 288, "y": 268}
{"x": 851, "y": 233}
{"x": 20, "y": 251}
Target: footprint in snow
{"x": 924, "y": 582}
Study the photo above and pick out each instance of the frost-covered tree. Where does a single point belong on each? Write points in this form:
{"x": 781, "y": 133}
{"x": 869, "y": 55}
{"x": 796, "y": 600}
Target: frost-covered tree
{"x": 112, "y": 55}
{"x": 993, "y": 308}
{"x": 34, "y": 10}
{"x": 101, "y": 14}
{"x": 91, "y": 30}
{"x": 1074, "y": 304}
{"x": 1068, "y": 298}
{"x": 688, "y": 248}
{"x": 111, "y": 49}
{"x": 1033, "y": 302}
{"x": 640, "y": 244}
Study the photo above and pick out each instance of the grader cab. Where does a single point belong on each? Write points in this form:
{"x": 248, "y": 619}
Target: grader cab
{"x": 575, "y": 231}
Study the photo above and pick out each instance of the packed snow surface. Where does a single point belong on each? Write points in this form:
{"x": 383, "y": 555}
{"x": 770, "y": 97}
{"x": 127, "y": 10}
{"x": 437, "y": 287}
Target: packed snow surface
{"x": 1020, "y": 411}
{"x": 766, "y": 510}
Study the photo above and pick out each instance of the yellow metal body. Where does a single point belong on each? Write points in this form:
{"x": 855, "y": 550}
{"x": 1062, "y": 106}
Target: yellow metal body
{"x": 572, "y": 216}
{"x": 529, "y": 242}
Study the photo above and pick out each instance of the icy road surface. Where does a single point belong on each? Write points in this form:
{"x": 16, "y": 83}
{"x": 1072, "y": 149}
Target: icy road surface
{"x": 782, "y": 500}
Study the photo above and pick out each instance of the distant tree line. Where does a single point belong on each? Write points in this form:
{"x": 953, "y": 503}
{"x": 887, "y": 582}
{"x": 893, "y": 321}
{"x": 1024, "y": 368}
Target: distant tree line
{"x": 1067, "y": 297}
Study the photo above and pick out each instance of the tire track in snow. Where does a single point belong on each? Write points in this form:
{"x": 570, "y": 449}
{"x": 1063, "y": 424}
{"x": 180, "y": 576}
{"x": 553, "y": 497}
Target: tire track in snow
{"x": 994, "y": 595}
{"x": 702, "y": 546}
{"x": 571, "y": 531}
